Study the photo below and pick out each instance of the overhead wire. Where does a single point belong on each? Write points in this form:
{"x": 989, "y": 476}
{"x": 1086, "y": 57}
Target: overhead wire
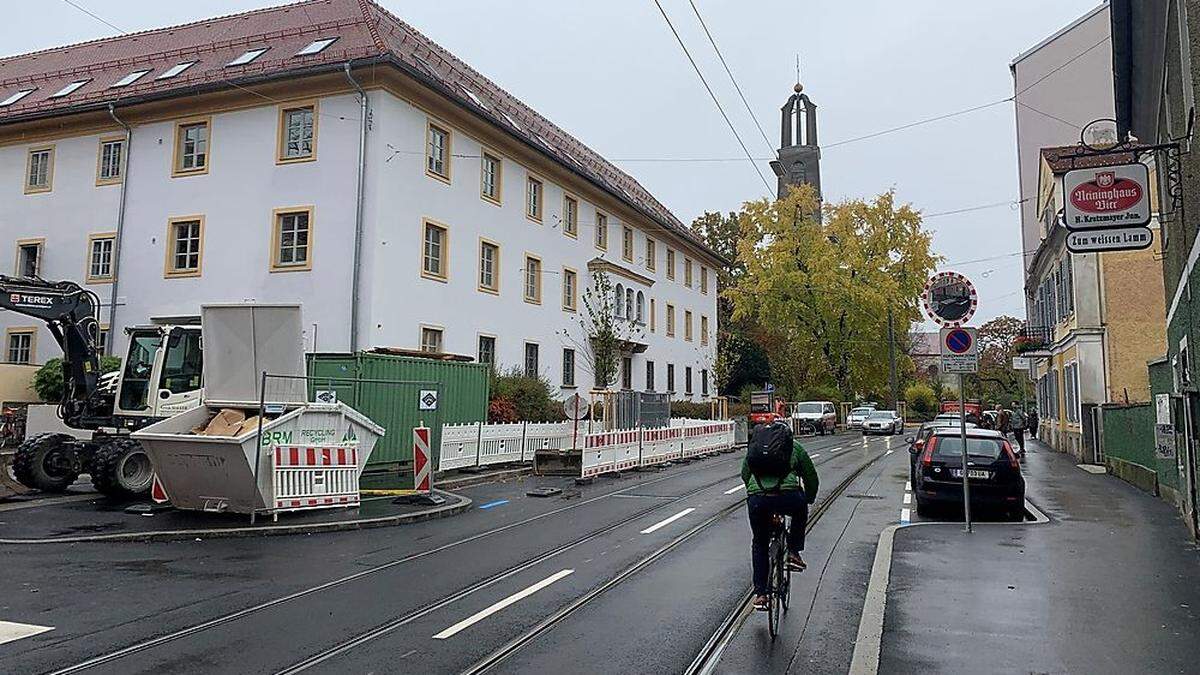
{"x": 732, "y": 79}
{"x": 712, "y": 95}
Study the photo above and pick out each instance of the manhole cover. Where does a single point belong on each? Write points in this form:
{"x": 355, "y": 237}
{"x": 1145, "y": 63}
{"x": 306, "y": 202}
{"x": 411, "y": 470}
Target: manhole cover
{"x": 864, "y": 496}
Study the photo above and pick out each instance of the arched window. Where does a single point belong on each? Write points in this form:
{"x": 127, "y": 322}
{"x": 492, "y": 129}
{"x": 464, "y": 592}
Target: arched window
{"x": 641, "y": 307}
{"x": 619, "y": 302}
{"x": 629, "y": 304}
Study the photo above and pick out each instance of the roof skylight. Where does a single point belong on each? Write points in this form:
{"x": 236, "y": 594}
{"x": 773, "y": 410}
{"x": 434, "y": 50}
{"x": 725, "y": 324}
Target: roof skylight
{"x": 511, "y": 120}
{"x": 129, "y": 79}
{"x": 475, "y": 98}
{"x": 16, "y": 96}
{"x": 175, "y": 70}
{"x": 248, "y": 56}
{"x": 70, "y": 88}
{"x": 316, "y": 47}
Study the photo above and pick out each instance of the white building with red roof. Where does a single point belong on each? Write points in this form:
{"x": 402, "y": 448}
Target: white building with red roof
{"x": 326, "y": 152}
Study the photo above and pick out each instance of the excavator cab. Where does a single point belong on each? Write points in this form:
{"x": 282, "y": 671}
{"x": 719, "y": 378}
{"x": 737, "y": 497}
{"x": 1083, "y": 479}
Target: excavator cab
{"x": 161, "y": 374}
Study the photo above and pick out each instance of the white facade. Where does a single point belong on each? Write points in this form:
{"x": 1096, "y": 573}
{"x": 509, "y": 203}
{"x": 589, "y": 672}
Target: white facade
{"x": 244, "y": 186}
{"x": 1060, "y": 85}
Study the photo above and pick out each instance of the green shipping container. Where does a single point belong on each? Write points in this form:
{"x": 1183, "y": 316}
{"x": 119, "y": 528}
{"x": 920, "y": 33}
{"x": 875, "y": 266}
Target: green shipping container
{"x": 389, "y": 389}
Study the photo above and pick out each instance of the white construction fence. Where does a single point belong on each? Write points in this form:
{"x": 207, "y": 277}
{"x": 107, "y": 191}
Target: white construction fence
{"x": 469, "y": 445}
{"x": 479, "y": 444}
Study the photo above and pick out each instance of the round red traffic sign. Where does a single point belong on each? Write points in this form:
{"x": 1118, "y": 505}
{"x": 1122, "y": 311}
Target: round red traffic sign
{"x": 950, "y": 299}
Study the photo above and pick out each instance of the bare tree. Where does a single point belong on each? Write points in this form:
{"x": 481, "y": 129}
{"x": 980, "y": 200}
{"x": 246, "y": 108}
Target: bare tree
{"x": 606, "y": 331}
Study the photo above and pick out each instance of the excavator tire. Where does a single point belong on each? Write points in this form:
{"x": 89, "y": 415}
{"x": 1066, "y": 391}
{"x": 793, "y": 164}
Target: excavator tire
{"x": 121, "y": 468}
{"x": 30, "y": 465}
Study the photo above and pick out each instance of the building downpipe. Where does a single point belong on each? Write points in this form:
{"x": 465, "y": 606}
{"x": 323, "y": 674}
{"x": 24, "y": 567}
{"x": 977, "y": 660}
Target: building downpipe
{"x": 364, "y": 111}
{"x": 116, "y": 255}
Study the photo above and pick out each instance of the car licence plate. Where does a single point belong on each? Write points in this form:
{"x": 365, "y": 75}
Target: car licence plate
{"x": 972, "y": 473}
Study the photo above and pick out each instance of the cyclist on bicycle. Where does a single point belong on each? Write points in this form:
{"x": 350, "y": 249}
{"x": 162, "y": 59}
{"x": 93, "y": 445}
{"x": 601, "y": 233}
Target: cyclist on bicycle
{"x": 780, "y": 479}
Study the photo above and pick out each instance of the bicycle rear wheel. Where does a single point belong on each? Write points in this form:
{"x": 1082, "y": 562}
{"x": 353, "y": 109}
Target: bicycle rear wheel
{"x": 773, "y": 597}
{"x": 785, "y": 573}
{"x": 778, "y": 581}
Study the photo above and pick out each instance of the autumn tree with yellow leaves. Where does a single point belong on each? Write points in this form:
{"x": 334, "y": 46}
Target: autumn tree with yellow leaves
{"x": 818, "y": 284}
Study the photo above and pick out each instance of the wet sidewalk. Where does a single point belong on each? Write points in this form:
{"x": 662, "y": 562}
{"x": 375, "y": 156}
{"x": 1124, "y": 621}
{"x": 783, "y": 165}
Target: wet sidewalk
{"x": 1111, "y": 584}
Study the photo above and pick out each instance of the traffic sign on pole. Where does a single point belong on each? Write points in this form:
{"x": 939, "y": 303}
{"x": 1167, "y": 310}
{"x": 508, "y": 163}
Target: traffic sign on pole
{"x": 960, "y": 350}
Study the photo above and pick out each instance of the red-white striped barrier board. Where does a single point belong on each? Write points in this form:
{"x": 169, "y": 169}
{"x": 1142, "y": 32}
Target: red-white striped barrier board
{"x": 313, "y": 477}
{"x": 422, "y": 467}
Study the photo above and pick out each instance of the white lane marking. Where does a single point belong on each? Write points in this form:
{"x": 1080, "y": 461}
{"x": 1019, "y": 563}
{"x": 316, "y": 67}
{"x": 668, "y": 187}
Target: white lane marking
{"x": 488, "y": 611}
{"x": 905, "y": 516}
{"x": 907, "y": 498}
{"x": 10, "y": 631}
{"x": 663, "y": 523}
{"x": 735, "y": 489}
{"x": 889, "y": 452}
{"x": 908, "y": 485}
{"x": 814, "y": 455}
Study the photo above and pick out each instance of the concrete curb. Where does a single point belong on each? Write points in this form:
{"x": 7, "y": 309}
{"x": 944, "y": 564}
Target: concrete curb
{"x": 869, "y": 642}
{"x": 494, "y": 477}
{"x": 458, "y": 505}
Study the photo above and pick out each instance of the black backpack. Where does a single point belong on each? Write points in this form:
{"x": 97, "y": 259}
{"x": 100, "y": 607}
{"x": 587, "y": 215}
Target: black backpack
{"x": 769, "y": 452}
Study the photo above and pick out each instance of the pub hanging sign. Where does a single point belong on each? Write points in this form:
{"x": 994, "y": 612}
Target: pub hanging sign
{"x": 1107, "y": 197}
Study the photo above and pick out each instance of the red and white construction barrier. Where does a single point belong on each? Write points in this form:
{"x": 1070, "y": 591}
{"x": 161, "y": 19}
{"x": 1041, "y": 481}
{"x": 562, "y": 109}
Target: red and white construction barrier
{"x": 422, "y": 466}
{"x": 314, "y": 477}
{"x": 611, "y": 451}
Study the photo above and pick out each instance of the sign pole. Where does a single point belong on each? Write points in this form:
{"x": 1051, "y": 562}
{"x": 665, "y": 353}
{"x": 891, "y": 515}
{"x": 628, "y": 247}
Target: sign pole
{"x": 962, "y": 429}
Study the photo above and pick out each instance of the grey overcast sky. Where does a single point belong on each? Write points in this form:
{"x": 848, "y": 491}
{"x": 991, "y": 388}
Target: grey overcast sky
{"x": 611, "y": 73}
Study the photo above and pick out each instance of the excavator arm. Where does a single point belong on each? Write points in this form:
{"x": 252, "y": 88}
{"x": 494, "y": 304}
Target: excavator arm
{"x": 70, "y": 313}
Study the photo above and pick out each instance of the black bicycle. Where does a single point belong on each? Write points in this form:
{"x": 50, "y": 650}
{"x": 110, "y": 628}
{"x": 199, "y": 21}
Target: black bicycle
{"x": 779, "y": 576}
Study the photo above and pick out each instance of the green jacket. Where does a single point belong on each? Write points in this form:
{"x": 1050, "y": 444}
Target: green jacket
{"x": 802, "y": 470}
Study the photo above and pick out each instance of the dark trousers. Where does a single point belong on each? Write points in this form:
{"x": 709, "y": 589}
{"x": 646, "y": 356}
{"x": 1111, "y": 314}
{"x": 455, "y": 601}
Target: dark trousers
{"x": 1020, "y": 434}
{"x": 761, "y": 507}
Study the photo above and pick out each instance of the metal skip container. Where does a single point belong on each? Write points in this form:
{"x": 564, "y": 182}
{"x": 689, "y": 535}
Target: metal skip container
{"x": 219, "y": 473}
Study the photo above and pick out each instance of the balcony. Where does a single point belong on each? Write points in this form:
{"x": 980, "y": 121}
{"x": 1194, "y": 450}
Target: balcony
{"x": 1033, "y": 341}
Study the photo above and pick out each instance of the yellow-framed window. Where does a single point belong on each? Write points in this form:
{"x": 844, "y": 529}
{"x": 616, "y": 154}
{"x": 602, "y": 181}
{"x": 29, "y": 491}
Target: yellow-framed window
{"x": 491, "y": 176}
{"x": 297, "y": 133}
{"x": 39, "y": 170}
{"x": 570, "y": 216}
{"x": 534, "y": 190}
{"x": 435, "y": 242}
{"x": 292, "y": 239}
{"x": 437, "y": 151}
{"x": 185, "y": 246}
{"x": 533, "y": 279}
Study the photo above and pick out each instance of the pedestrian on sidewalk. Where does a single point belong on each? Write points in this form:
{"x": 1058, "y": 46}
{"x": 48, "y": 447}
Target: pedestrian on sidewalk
{"x": 1019, "y": 422}
{"x": 1003, "y": 420}
{"x": 1033, "y": 422}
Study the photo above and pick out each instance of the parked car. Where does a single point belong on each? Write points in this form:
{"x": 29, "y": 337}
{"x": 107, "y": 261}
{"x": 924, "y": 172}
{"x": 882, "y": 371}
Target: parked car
{"x": 883, "y": 422}
{"x": 993, "y": 472}
{"x": 822, "y": 415}
{"x": 915, "y": 443}
{"x": 855, "y": 419}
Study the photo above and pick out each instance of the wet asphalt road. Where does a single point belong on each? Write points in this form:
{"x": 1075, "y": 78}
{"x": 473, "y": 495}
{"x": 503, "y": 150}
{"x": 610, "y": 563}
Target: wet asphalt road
{"x": 264, "y": 605}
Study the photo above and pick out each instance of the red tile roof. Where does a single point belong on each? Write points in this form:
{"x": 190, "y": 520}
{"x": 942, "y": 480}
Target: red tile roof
{"x": 365, "y": 31}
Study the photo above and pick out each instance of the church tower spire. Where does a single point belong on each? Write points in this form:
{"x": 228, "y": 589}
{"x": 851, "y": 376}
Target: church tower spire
{"x": 799, "y": 153}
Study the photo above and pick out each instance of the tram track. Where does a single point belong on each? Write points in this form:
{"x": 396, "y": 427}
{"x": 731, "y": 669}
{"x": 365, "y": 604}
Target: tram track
{"x": 244, "y": 613}
{"x": 710, "y": 655}
{"x": 729, "y": 625}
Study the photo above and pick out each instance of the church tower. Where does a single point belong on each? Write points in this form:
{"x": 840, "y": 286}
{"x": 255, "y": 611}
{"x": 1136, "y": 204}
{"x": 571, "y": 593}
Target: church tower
{"x": 799, "y": 155}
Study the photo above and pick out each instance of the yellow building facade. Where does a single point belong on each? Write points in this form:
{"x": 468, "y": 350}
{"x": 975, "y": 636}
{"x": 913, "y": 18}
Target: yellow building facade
{"x": 1100, "y": 316}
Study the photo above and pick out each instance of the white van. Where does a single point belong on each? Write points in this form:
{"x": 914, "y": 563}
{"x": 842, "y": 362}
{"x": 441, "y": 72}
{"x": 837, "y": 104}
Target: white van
{"x": 822, "y": 415}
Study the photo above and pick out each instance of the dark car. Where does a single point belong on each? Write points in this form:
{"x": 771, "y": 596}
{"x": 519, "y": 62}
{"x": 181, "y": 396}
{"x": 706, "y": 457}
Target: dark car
{"x": 915, "y": 443}
{"x": 993, "y": 471}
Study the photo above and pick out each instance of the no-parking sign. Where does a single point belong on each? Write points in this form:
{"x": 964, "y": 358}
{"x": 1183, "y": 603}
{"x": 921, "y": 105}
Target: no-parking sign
{"x": 960, "y": 350}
